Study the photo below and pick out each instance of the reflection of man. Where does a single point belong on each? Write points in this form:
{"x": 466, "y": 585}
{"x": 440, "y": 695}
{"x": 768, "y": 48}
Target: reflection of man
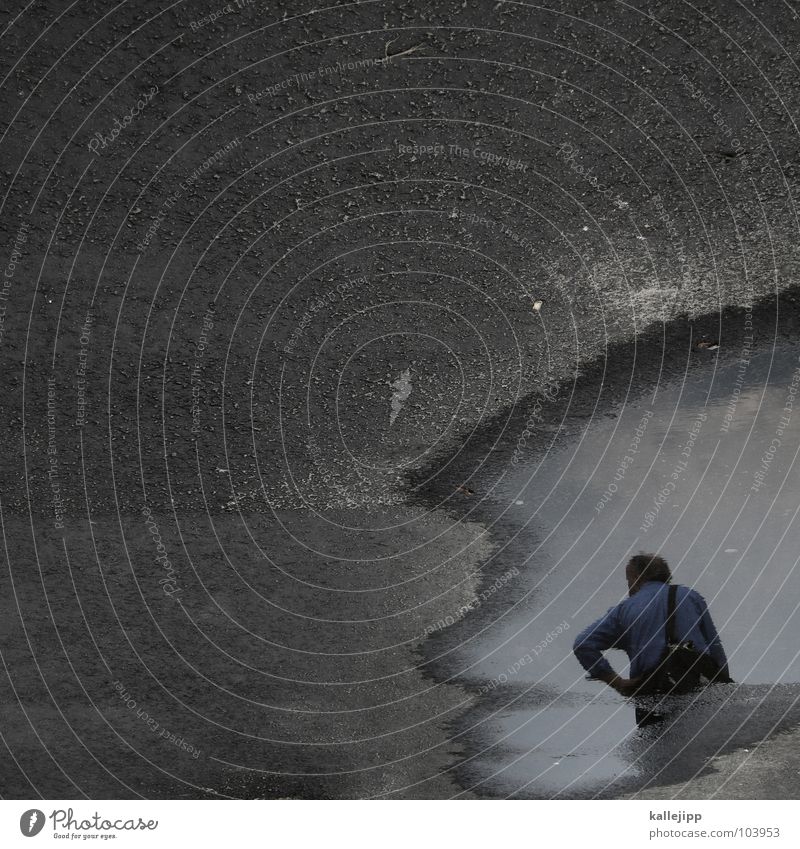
{"x": 638, "y": 627}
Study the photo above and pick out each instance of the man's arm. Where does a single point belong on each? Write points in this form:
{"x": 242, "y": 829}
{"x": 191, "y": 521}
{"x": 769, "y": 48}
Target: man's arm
{"x": 711, "y": 637}
{"x": 590, "y": 644}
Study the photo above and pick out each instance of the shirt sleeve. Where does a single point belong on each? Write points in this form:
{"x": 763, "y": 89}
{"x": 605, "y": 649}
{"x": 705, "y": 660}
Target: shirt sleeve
{"x": 709, "y": 631}
{"x": 590, "y": 644}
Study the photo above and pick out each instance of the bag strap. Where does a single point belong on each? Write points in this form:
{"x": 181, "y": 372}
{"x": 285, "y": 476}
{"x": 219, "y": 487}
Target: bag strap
{"x": 671, "y": 596}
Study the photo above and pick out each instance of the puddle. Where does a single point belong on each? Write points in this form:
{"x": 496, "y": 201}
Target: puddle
{"x": 705, "y": 471}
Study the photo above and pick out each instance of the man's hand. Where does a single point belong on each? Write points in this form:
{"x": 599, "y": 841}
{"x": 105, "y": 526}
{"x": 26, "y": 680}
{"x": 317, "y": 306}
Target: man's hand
{"x": 625, "y": 686}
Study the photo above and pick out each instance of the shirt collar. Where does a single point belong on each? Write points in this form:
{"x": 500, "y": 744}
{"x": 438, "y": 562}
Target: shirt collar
{"x": 651, "y": 585}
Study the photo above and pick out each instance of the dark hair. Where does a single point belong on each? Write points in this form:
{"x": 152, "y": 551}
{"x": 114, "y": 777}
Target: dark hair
{"x": 651, "y": 567}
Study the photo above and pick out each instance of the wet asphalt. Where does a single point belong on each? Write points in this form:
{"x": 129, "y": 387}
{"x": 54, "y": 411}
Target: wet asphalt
{"x": 268, "y": 348}
{"x": 700, "y": 466}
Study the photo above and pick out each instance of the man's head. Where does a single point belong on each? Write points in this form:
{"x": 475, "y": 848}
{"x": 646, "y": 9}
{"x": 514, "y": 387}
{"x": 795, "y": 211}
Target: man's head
{"x": 646, "y": 567}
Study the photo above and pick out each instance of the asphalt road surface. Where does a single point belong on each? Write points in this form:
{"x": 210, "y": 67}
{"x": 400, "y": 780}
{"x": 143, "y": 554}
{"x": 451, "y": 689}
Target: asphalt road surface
{"x": 283, "y": 291}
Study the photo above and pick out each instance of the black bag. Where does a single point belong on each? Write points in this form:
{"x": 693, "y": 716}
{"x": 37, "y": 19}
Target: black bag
{"x": 682, "y": 667}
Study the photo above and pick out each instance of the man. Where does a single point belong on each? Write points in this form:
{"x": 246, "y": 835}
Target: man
{"x": 638, "y": 627}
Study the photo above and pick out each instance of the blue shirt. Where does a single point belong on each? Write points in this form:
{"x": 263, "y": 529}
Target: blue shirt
{"x": 637, "y": 626}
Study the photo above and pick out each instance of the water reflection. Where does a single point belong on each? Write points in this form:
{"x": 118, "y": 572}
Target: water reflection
{"x": 705, "y": 472}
